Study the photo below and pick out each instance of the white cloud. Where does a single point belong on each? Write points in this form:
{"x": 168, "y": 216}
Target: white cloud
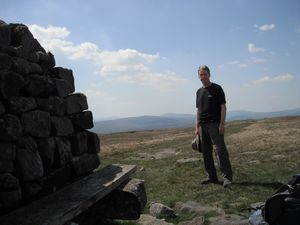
{"x": 51, "y": 32}
{"x": 253, "y": 49}
{"x": 265, "y": 27}
{"x": 159, "y": 81}
{"x": 298, "y": 30}
{"x": 268, "y": 79}
{"x": 124, "y": 65}
{"x": 234, "y": 63}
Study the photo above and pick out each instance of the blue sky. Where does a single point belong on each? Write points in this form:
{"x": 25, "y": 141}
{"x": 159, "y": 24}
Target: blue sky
{"x": 140, "y": 57}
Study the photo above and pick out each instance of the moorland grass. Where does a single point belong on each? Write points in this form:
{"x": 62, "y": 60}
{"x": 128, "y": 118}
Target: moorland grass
{"x": 264, "y": 155}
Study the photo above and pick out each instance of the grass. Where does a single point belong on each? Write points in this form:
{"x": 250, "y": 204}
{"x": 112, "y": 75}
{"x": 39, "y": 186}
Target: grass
{"x": 264, "y": 155}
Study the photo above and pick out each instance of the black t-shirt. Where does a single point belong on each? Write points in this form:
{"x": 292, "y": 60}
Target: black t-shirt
{"x": 208, "y": 102}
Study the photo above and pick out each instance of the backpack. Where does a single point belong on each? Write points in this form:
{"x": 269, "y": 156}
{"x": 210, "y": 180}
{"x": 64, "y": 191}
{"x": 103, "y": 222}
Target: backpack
{"x": 283, "y": 207}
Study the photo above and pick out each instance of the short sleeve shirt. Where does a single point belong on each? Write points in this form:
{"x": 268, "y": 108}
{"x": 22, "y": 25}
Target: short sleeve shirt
{"x": 208, "y": 103}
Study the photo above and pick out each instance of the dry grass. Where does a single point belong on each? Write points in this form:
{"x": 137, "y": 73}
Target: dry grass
{"x": 264, "y": 154}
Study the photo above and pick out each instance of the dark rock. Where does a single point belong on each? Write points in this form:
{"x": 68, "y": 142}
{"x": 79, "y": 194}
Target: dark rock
{"x": 19, "y": 105}
{"x": 5, "y": 61}
{"x": 36, "y": 46}
{"x": 10, "y": 128}
{"x": 76, "y": 103}
{"x": 2, "y": 109}
{"x": 36, "y": 123}
{"x": 159, "y": 210}
{"x": 10, "y": 84}
{"x": 118, "y": 204}
{"x": 61, "y": 126}
{"x": 7, "y": 157}
{"x": 10, "y": 199}
{"x": 93, "y": 142}
{"x": 83, "y": 120}
{"x": 46, "y": 148}
{"x": 5, "y": 34}
{"x": 10, "y": 50}
{"x": 63, "y": 87}
{"x": 21, "y": 36}
{"x": 47, "y": 64}
{"x": 85, "y": 164}
{"x": 28, "y": 161}
{"x": 8, "y": 182}
{"x": 79, "y": 143}
{"x": 30, "y": 189}
{"x": 63, "y": 152}
{"x": 137, "y": 187}
{"x": 55, "y": 105}
{"x": 56, "y": 179}
{"x": 35, "y": 68}
{"x": 20, "y": 66}
{"x": 35, "y": 85}
{"x": 65, "y": 74}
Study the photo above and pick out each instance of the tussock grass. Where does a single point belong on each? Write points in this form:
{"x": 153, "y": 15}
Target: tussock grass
{"x": 264, "y": 155}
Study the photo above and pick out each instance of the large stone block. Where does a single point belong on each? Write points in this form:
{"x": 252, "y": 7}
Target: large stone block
{"x": 47, "y": 64}
{"x": 63, "y": 152}
{"x": 8, "y": 182}
{"x": 35, "y": 85}
{"x": 85, "y": 164}
{"x": 79, "y": 143}
{"x": 2, "y": 108}
{"x": 10, "y": 199}
{"x": 56, "y": 179}
{"x": 63, "y": 87}
{"x": 65, "y": 74}
{"x": 55, "y": 105}
{"x": 61, "y": 126}
{"x": 5, "y": 61}
{"x": 28, "y": 161}
{"x": 37, "y": 46}
{"x": 5, "y": 34}
{"x": 7, "y": 157}
{"x": 17, "y": 105}
{"x": 21, "y": 36}
{"x": 20, "y": 66}
{"x": 36, "y": 123}
{"x": 83, "y": 120}
{"x": 93, "y": 142}
{"x": 46, "y": 148}
{"x": 10, "y": 84}
{"x": 30, "y": 189}
{"x": 10, "y": 128}
{"x": 10, "y": 50}
{"x": 76, "y": 103}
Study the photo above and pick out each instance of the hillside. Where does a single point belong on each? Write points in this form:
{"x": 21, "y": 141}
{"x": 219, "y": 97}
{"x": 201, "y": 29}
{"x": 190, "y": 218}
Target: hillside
{"x": 264, "y": 154}
{"x": 166, "y": 121}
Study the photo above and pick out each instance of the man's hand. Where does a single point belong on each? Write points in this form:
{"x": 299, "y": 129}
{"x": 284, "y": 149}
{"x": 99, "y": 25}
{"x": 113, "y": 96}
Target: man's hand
{"x": 197, "y": 130}
{"x": 221, "y": 128}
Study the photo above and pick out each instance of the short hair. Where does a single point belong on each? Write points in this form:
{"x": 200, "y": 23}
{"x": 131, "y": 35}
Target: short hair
{"x": 204, "y": 67}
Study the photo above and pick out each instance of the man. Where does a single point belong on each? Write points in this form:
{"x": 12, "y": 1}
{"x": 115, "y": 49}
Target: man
{"x": 211, "y": 113}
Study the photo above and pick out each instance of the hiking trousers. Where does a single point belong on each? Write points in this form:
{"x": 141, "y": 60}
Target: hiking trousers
{"x": 210, "y": 136}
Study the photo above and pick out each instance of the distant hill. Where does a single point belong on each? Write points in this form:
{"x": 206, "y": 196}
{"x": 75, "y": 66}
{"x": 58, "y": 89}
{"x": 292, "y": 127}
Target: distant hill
{"x": 173, "y": 120}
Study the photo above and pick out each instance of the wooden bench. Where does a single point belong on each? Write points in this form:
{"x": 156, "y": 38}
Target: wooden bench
{"x": 65, "y": 204}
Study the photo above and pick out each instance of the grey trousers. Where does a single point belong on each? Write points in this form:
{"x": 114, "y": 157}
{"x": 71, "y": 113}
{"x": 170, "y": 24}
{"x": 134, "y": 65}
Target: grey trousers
{"x": 210, "y": 136}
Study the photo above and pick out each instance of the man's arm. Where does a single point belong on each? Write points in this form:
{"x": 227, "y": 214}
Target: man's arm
{"x": 223, "y": 117}
{"x": 197, "y": 123}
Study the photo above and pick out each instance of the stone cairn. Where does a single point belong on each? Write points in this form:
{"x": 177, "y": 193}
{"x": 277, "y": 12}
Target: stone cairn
{"x": 44, "y": 141}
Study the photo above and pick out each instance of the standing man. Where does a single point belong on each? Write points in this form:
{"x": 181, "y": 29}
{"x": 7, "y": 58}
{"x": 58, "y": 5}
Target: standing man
{"x": 210, "y": 122}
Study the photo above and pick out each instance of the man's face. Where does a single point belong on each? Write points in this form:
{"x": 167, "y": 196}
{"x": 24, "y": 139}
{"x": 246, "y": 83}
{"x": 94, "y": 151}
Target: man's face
{"x": 203, "y": 76}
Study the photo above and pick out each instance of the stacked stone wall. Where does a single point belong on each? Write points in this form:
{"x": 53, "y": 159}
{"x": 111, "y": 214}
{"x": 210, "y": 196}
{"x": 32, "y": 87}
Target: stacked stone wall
{"x": 44, "y": 139}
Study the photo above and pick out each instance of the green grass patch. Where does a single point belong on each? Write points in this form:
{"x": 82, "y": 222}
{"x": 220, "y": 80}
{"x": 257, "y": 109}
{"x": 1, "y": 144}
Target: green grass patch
{"x": 261, "y": 165}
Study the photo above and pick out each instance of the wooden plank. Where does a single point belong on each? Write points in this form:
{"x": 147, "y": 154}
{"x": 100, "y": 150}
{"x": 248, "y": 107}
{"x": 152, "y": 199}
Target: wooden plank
{"x": 63, "y": 205}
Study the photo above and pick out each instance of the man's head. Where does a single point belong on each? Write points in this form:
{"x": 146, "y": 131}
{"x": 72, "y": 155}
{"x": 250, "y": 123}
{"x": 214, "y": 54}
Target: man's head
{"x": 204, "y": 75}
